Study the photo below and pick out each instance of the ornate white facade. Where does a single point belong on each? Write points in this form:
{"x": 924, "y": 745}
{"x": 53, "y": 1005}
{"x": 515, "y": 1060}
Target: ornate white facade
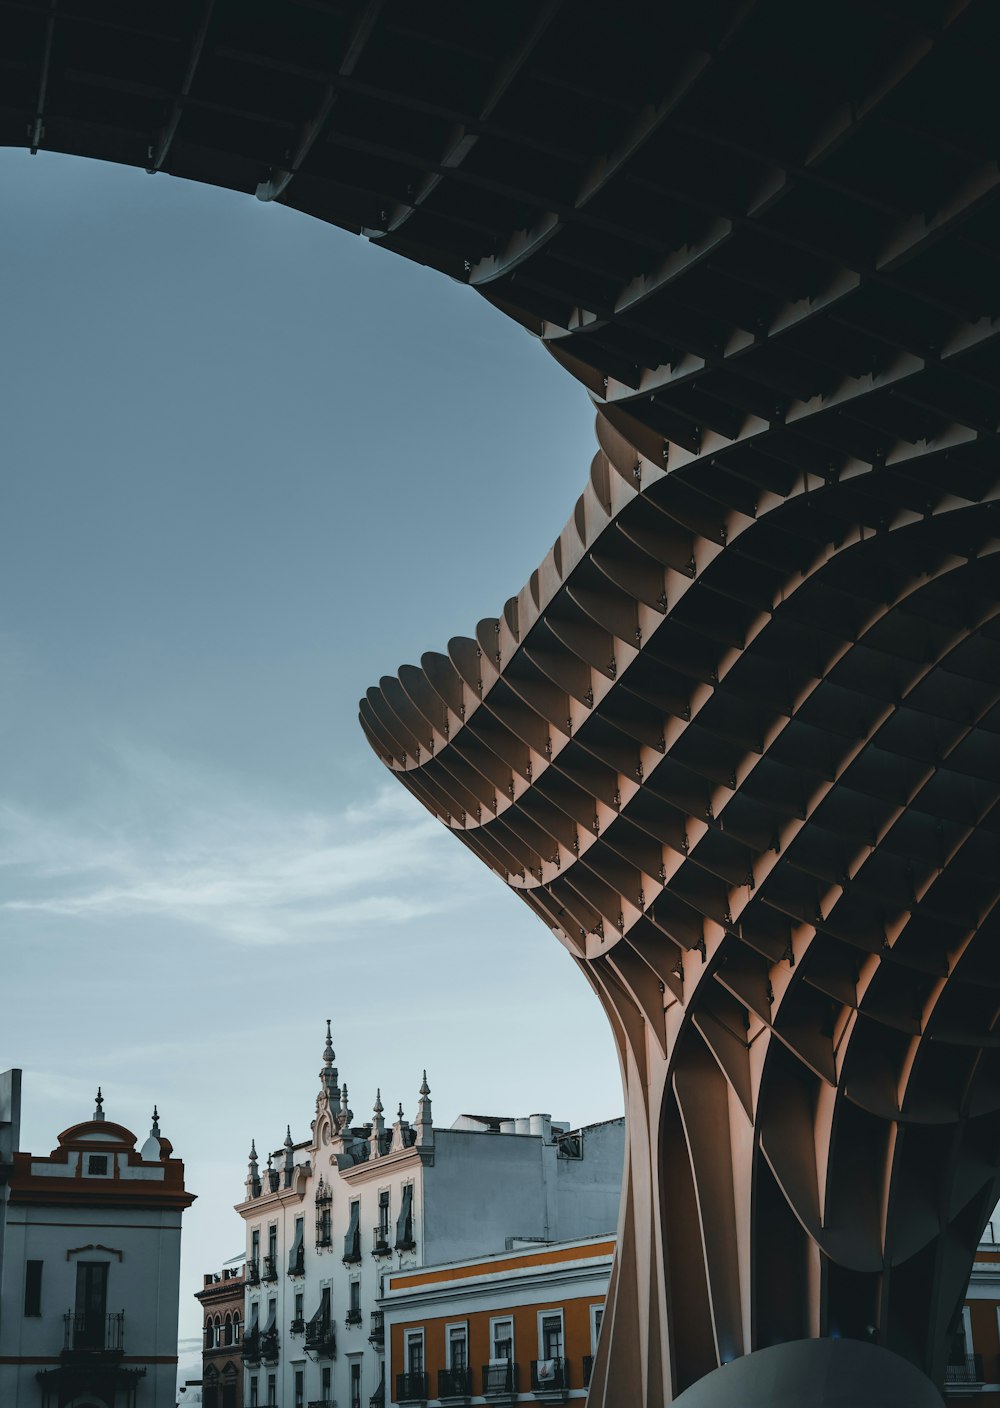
{"x": 326, "y": 1219}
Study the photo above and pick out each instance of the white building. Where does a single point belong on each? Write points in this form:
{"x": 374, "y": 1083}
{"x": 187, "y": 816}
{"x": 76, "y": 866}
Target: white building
{"x": 329, "y": 1217}
{"x": 90, "y": 1268}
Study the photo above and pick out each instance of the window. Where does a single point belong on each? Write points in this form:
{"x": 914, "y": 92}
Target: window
{"x": 326, "y": 1379}
{"x": 272, "y": 1315}
{"x": 236, "y": 1327}
{"x": 254, "y": 1400}
{"x": 298, "y": 1305}
{"x": 355, "y": 1295}
{"x": 300, "y": 1388}
{"x": 91, "y": 1304}
{"x": 272, "y": 1390}
{"x": 210, "y": 1333}
{"x": 255, "y": 1248}
{"x": 272, "y": 1241}
{"x": 404, "y": 1222}
{"x": 383, "y": 1214}
{"x": 458, "y": 1347}
{"x": 297, "y": 1255}
{"x": 550, "y": 1335}
{"x": 352, "y": 1237}
{"x": 355, "y": 1384}
{"x": 502, "y": 1335}
{"x": 32, "y": 1288}
{"x": 97, "y": 1163}
{"x": 596, "y": 1316}
{"x": 229, "y": 1329}
{"x": 414, "y": 1351}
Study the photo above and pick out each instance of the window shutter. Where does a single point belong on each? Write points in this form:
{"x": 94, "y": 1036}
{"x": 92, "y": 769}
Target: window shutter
{"x": 404, "y": 1223}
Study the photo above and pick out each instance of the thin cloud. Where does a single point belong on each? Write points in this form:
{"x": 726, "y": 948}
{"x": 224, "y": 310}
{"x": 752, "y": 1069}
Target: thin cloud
{"x": 202, "y": 853}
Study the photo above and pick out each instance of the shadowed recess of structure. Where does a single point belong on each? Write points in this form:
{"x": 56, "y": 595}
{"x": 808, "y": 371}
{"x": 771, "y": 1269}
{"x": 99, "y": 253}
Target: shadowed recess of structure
{"x": 736, "y": 740}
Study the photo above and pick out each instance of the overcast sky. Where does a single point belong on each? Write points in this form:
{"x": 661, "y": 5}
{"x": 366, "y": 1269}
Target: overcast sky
{"x": 251, "y": 464}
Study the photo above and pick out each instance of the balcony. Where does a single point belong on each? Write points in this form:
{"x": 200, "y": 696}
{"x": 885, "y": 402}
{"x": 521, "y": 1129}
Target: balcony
{"x": 297, "y": 1326}
{"x": 270, "y": 1272}
{"x": 321, "y": 1339}
{"x": 297, "y": 1263}
{"x": 454, "y": 1385}
{"x": 269, "y": 1347}
{"x": 550, "y": 1379}
{"x": 411, "y": 1388}
{"x": 380, "y": 1242}
{"x": 376, "y": 1333}
{"x": 353, "y": 1316}
{"x": 964, "y": 1378}
{"x": 250, "y": 1352}
{"x": 500, "y": 1381}
{"x": 352, "y": 1248}
{"x": 321, "y": 1403}
{"x": 94, "y": 1334}
{"x": 253, "y": 1272}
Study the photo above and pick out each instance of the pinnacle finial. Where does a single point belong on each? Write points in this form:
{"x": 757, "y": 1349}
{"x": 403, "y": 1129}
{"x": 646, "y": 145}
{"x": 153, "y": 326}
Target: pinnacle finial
{"x": 269, "y": 1160}
{"x": 399, "y": 1112}
{"x": 155, "y": 1129}
{"x": 253, "y": 1151}
{"x": 424, "y": 1087}
{"x": 288, "y": 1137}
{"x": 328, "y": 1051}
{"x": 99, "y": 1105}
{"x": 378, "y": 1107}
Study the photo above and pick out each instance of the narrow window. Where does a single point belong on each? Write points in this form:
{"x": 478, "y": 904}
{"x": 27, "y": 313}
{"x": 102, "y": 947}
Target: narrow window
{"x": 297, "y": 1255}
{"x": 236, "y": 1327}
{"x": 551, "y": 1337}
{"x": 415, "y": 1352}
{"x": 596, "y": 1316}
{"x": 300, "y": 1388}
{"x": 32, "y": 1288}
{"x": 254, "y": 1400}
{"x": 272, "y": 1390}
{"x": 458, "y": 1347}
{"x": 383, "y": 1214}
{"x": 404, "y": 1223}
{"x": 91, "y": 1304}
{"x": 327, "y": 1382}
{"x": 355, "y": 1384}
{"x": 352, "y": 1237}
{"x": 229, "y": 1328}
{"x": 503, "y": 1339}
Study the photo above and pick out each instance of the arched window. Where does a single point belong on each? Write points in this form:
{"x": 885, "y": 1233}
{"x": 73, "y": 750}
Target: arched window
{"x": 229, "y": 1329}
{"x": 209, "y": 1334}
{"x": 236, "y": 1327}
{"x": 218, "y": 1329}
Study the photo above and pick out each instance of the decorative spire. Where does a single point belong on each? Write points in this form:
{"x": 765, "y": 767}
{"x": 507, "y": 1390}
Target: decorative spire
{"x": 154, "y": 1132}
{"x": 346, "y": 1113}
{"x": 400, "y": 1131}
{"x": 289, "y": 1157}
{"x": 425, "y": 1126}
{"x": 378, "y": 1128}
{"x": 253, "y": 1177}
{"x": 328, "y": 1075}
{"x": 399, "y": 1111}
{"x": 288, "y": 1137}
{"x": 99, "y": 1105}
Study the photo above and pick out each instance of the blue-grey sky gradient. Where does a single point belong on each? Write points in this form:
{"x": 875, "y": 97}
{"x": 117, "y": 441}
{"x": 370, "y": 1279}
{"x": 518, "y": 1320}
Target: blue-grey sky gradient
{"x": 250, "y": 464}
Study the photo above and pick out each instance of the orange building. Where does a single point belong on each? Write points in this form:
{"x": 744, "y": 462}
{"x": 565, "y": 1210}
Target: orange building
{"x": 520, "y": 1323}
{"x": 974, "y": 1364}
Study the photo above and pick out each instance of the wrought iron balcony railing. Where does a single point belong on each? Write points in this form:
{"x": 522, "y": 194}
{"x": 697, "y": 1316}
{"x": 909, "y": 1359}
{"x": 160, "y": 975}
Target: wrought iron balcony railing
{"x": 455, "y": 1383}
{"x": 380, "y": 1242}
{"x": 499, "y": 1379}
{"x": 270, "y": 1347}
{"x": 968, "y": 1370}
{"x": 376, "y": 1332}
{"x": 250, "y": 1352}
{"x": 101, "y": 1334}
{"x": 353, "y": 1316}
{"x": 411, "y": 1388}
{"x": 297, "y": 1326}
{"x": 270, "y": 1272}
{"x": 321, "y": 1338}
{"x": 549, "y": 1375}
{"x": 253, "y": 1273}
